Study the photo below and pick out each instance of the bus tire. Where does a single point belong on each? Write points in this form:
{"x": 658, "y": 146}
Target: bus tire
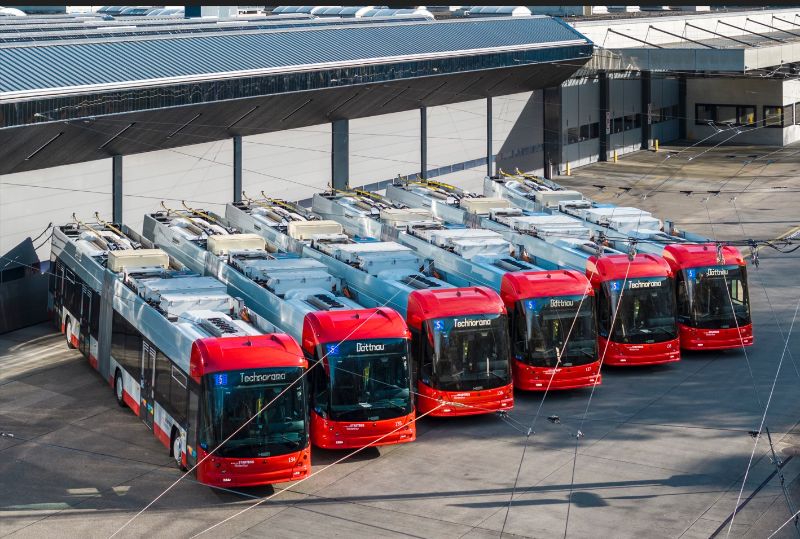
{"x": 175, "y": 451}
{"x": 67, "y": 333}
{"x": 118, "y": 389}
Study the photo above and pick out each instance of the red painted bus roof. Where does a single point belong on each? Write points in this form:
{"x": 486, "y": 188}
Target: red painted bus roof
{"x": 692, "y": 255}
{"x": 335, "y": 326}
{"x": 217, "y": 354}
{"x": 536, "y": 284}
{"x": 615, "y": 267}
{"x": 448, "y": 302}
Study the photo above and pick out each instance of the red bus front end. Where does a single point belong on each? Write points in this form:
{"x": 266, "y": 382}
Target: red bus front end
{"x": 361, "y": 392}
{"x": 635, "y": 309}
{"x": 251, "y": 411}
{"x": 461, "y": 351}
{"x": 552, "y": 318}
{"x": 713, "y": 303}
{"x": 248, "y": 472}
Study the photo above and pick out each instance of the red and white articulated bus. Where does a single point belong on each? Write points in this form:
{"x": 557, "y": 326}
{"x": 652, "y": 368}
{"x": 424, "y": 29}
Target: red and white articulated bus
{"x": 712, "y": 295}
{"x": 169, "y": 343}
{"x": 635, "y": 309}
{"x": 547, "y": 309}
{"x": 361, "y": 392}
{"x": 459, "y": 336}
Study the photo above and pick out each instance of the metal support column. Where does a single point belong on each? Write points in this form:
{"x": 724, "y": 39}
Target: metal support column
{"x": 116, "y": 189}
{"x": 553, "y": 132}
{"x": 423, "y": 142}
{"x": 340, "y": 154}
{"x": 647, "y": 109}
{"x": 489, "y": 143}
{"x": 605, "y": 115}
{"x": 682, "y": 112}
{"x": 237, "y": 168}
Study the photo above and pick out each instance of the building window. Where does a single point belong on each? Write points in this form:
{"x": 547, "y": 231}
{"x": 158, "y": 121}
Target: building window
{"x": 632, "y": 121}
{"x": 594, "y": 130}
{"x": 703, "y": 114}
{"x": 723, "y": 115}
{"x": 573, "y": 135}
{"x": 585, "y": 132}
{"x": 727, "y": 115}
{"x": 773, "y": 116}
{"x": 618, "y": 125}
{"x": 797, "y": 113}
{"x": 746, "y": 115}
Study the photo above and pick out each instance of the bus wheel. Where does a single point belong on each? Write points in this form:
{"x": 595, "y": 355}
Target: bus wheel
{"x": 67, "y": 333}
{"x": 118, "y": 391}
{"x": 176, "y": 450}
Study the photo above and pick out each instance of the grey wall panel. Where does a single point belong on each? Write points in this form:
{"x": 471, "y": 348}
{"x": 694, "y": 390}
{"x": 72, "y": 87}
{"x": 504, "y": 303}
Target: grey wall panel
{"x": 523, "y": 145}
{"x": 383, "y": 149}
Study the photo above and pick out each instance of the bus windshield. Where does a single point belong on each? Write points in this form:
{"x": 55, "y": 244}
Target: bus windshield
{"x": 713, "y": 297}
{"x": 556, "y": 325}
{"x": 469, "y": 353}
{"x": 233, "y": 397}
{"x": 369, "y": 379}
{"x": 646, "y": 310}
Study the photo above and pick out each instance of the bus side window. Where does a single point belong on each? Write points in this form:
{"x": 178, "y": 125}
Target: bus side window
{"x": 683, "y": 298}
{"x": 426, "y": 357}
{"x": 193, "y": 417}
{"x": 319, "y": 382}
{"x": 177, "y": 394}
{"x": 162, "y": 379}
{"x": 519, "y": 331}
{"x": 603, "y": 311}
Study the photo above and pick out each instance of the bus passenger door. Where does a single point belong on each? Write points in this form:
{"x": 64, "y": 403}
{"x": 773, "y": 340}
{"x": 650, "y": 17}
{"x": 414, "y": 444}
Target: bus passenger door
{"x": 85, "y": 317}
{"x": 192, "y": 420}
{"x": 146, "y": 380}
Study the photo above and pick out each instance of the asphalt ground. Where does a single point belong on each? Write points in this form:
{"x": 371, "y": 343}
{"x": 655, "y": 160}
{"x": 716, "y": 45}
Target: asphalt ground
{"x": 663, "y": 450}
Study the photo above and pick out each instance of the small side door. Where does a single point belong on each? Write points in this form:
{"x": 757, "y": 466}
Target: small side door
{"x": 146, "y": 380}
{"x": 85, "y": 320}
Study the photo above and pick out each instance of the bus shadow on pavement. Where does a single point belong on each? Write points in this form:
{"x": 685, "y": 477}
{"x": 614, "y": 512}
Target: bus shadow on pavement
{"x": 323, "y": 457}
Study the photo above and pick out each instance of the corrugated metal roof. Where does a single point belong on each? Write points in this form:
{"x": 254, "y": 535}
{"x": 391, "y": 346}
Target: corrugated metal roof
{"x": 80, "y": 64}
{"x": 121, "y": 31}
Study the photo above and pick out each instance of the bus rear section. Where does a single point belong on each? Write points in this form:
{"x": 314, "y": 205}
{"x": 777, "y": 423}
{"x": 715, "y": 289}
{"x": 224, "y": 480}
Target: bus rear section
{"x": 713, "y": 300}
{"x": 460, "y": 350}
{"x": 252, "y": 411}
{"x": 361, "y": 392}
{"x": 635, "y": 309}
{"x": 552, "y": 328}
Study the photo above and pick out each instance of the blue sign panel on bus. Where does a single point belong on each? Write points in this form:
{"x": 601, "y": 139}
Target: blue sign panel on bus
{"x": 438, "y": 324}
{"x": 220, "y": 379}
{"x": 691, "y": 273}
{"x": 332, "y": 349}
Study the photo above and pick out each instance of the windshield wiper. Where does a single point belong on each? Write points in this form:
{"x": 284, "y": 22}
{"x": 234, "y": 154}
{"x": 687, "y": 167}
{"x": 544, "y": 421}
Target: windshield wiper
{"x": 294, "y": 443}
{"x": 502, "y": 379}
{"x": 386, "y": 403}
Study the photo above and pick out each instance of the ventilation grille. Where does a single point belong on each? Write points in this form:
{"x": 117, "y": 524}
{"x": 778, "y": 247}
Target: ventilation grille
{"x": 419, "y": 282}
{"x": 219, "y": 326}
{"x": 324, "y": 303}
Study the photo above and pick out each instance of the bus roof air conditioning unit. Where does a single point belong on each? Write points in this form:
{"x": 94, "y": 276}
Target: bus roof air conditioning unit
{"x": 483, "y": 206}
{"x": 306, "y": 230}
{"x": 137, "y": 258}
{"x": 219, "y": 243}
